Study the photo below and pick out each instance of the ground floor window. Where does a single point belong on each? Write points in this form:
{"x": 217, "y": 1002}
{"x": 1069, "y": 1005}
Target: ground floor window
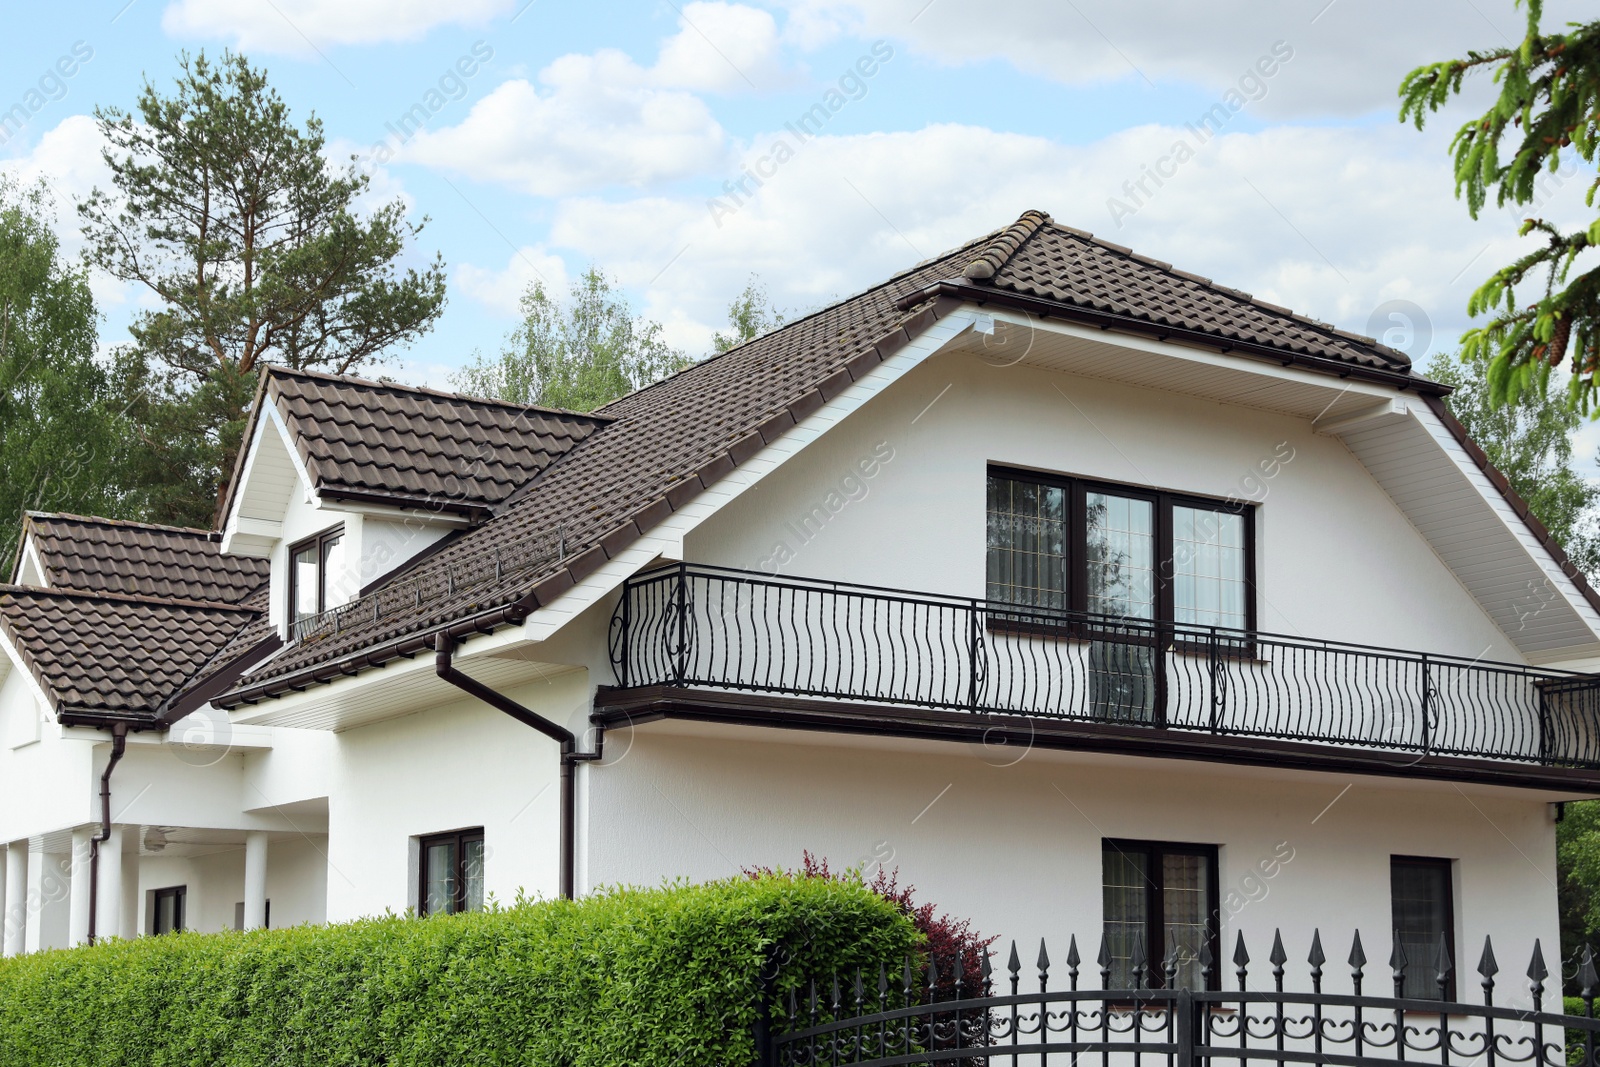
{"x": 1159, "y": 896}
{"x": 1424, "y": 917}
{"x": 166, "y": 909}
{"x": 452, "y": 872}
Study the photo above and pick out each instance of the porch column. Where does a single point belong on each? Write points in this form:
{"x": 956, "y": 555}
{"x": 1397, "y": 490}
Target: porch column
{"x": 108, "y": 906}
{"x": 255, "y": 880}
{"x": 78, "y": 901}
{"x": 16, "y": 915}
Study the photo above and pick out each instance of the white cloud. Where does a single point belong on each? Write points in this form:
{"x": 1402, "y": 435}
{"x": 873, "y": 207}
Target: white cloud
{"x": 721, "y": 48}
{"x": 1338, "y": 221}
{"x": 303, "y": 26}
{"x": 1349, "y": 54}
{"x": 602, "y": 119}
{"x": 594, "y": 121}
{"x": 500, "y": 290}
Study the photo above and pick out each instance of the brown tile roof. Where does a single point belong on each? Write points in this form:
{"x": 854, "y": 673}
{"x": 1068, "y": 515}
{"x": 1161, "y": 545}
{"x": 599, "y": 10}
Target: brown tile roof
{"x": 1073, "y": 267}
{"x": 419, "y": 447}
{"x": 107, "y": 556}
{"x": 104, "y": 656}
{"x": 672, "y": 439}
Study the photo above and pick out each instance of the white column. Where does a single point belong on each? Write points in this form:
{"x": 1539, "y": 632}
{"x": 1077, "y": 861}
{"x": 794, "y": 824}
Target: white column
{"x": 78, "y": 908}
{"x": 130, "y": 890}
{"x": 16, "y": 916}
{"x": 108, "y": 905}
{"x": 255, "y": 880}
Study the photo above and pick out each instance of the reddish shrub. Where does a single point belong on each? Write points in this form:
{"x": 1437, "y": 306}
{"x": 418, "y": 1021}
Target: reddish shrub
{"x": 947, "y": 939}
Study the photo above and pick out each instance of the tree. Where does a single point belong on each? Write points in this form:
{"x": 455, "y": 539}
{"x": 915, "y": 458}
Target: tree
{"x": 253, "y": 245}
{"x": 578, "y": 356}
{"x": 750, "y": 315}
{"x": 59, "y": 427}
{"x": 1550, "y": 99}
{"x": 1578, "y": 866}
{"x": 1529, "y": 439}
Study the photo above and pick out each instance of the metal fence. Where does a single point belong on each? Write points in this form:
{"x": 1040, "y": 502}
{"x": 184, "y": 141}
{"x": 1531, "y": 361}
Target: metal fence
{"x": 694, "y": 625}
{"x": 1039, "y": 1016}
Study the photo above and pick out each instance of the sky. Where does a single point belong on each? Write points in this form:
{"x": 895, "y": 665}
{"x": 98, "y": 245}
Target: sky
{"x": 820, "y": 145}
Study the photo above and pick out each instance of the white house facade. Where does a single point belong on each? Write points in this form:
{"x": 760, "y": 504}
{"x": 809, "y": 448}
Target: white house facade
{"x": 1086, "y": 593}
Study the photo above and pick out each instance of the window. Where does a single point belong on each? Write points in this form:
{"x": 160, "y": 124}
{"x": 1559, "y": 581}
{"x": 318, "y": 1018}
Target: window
{"x": 238, "y": 916}
{"x": 452, "y": 873}
{"x": 310, "y": 564}
{"x": 166, "y": 909}
{"x": 1424, "y": 914}
{"x": 1062, "y": 543}
{"x": 1159, "y": 896}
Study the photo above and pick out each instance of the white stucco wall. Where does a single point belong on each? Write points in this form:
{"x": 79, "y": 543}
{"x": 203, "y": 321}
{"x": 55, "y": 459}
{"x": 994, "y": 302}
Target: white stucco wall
{"x": 1016, "y": 847}
{"x": 1335, "y": 557}
{"x": 457, "y": 766}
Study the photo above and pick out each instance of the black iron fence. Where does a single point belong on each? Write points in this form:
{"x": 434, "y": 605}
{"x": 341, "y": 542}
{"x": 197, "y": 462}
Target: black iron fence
{"x": 695, "y": 625}
{"x": 1035, "y": 1016}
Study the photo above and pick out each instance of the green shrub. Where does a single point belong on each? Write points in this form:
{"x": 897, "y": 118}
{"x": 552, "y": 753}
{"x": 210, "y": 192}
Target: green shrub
{"x": 664, "y": 976}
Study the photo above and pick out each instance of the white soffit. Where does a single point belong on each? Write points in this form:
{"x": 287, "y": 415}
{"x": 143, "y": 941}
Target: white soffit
{"x": 271, "y": 474}
{"x": 1175, "y": 368}
{"x": 1474, "y": 530}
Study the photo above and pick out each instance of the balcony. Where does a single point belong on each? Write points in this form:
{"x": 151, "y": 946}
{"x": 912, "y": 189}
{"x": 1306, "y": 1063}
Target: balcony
{"x": 713, "y": 643}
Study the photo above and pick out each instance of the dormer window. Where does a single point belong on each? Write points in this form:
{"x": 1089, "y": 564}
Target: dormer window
{"x": 316, "y": 567}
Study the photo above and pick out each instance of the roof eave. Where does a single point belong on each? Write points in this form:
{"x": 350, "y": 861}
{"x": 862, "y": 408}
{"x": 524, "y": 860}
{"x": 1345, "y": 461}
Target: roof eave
{"x": 980, "y": 294}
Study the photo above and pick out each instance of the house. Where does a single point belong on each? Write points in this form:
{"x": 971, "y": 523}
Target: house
{"x": 1086, "y": 592}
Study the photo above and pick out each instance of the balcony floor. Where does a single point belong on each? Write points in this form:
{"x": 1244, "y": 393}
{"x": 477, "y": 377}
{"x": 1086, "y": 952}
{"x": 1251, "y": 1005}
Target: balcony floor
{"x": 618, "y": 706}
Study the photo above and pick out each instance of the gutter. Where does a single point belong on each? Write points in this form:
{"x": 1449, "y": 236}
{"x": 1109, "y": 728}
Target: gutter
{"x": 443, "y": 644}
{"x": 119, "y": 745}
{"x": 379, "y": 655}
{"x": 978, "y": 294}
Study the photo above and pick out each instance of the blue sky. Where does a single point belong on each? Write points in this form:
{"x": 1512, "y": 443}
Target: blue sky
{"x": 608, "y": 134}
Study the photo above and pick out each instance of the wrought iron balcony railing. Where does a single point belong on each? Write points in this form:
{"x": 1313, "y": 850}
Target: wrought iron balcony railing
{"x": 692, "y": 625}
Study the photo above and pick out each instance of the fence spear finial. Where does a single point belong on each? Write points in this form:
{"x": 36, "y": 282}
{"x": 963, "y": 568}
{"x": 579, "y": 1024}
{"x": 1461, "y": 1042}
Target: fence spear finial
{"x": 1587, "y": 975}
{"x": 1241, "y": 958}
{"x": 1397, "y": 964}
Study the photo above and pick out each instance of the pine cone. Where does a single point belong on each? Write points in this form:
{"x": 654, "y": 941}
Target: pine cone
{"x": 1558, "y": 341}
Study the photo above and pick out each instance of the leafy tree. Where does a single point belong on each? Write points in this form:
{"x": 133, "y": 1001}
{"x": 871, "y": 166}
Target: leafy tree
{"x": 1549, "y": 103}
{"x": 750, "y": 315}
{"x": 252, "y": 242}
{"x": 59, "y": 427}
{"x": 579, "y": 356}
{"x": 1578, "y": 864}
{"x": 1530, "y": 440}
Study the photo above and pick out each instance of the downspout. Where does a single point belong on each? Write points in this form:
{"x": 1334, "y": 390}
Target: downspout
{"x": 443, "y": 646}
{"x": 119, "y": 744}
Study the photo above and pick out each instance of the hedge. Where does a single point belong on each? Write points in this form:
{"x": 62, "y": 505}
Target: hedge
{"x": 665, "y": 976}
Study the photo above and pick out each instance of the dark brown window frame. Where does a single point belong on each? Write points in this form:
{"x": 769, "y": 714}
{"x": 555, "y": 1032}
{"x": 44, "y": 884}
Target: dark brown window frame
{"x": 1448, "y": 867}
{"x": 321, "y": 542}
{"x": 179, "y": 896}
{"x": 1163, "y": 501}
{"x": 459, "y": 838}
{"x": 1155, "y": 925}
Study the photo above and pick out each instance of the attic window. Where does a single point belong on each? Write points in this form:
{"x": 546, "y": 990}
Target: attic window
{"x": 315, "y": 567}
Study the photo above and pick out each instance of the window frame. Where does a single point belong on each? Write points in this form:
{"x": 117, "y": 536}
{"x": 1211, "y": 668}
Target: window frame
{"x": 178, "y": 894}
{"x": 1448, "y": 868}
{"x": 1162, "y": 501}
{"x": 459, "y": 838}
{"x": 321, "y": 541}
{"x": 1155, "y": 921}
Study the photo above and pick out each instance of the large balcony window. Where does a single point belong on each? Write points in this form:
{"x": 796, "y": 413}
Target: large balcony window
{"x": 1064, "y": 543}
